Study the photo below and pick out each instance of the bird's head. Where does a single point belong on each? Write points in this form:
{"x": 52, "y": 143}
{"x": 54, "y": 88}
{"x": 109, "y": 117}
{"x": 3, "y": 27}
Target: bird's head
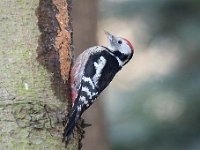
{"x": 120, "y": 45}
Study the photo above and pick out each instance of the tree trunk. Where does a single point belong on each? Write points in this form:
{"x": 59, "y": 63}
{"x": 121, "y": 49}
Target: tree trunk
{"x": 35, "y": 60}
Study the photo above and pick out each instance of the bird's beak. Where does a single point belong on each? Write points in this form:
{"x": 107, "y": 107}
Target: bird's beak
{"x": 110, "y": 37}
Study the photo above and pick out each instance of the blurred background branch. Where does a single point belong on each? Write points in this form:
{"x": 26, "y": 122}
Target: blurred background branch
{"x": 85, "y": 17}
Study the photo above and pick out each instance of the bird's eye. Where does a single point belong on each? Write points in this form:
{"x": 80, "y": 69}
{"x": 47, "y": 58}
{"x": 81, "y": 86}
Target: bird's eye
{"x": 119, "y": 42}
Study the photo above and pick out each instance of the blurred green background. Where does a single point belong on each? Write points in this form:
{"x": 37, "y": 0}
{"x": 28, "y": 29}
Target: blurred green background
{"x": 153, "y": 103}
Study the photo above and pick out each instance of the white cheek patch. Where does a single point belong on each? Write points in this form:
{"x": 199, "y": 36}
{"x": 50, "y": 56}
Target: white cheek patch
{"x": 99, "y": 65}
{"x": 125, "y": 49}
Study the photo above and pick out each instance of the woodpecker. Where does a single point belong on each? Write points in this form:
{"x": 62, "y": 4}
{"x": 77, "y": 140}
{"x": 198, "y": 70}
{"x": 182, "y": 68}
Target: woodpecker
{"x": 91, "y": 73}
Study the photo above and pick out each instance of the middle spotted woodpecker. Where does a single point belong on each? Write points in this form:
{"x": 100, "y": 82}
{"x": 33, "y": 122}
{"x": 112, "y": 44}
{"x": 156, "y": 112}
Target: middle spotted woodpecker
{"x": 91, "y": 73}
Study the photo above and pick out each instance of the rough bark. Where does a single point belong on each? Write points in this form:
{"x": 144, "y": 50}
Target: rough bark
{"x": 85, "y": 15}
{"x": 35, "y": 60}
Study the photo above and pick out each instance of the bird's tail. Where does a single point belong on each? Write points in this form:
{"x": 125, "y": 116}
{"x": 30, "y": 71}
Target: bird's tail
{"x": 70, "y": 124}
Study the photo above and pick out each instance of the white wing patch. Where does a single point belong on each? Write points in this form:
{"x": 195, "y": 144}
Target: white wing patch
{"x": 86, "y": 90}
{"x": 78, "y": 68}
{"x": 89, "y": 80}
{"x": 83, "y": 99}
{"x": 99, "y": 65}
{"x": 79, "y": 108}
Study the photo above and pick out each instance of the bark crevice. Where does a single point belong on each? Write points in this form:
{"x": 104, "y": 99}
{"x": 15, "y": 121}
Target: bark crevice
{"x": 54, "y": 44}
